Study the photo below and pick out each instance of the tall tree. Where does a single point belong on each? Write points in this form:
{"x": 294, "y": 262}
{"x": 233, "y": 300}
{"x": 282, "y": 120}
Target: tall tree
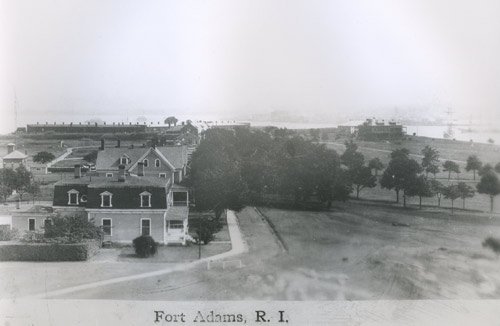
{"x": 23, "y": 181}
{"x": 43, "y": 157}
{"x": 351, "y": 157}
{"x": 490, "y": 185}
{"x": 421, "y": 187}
{"x": 430, "y": 161}
{"x": 400, "y": 173}
{"x": 451, "y": 192}
{"x": 171, "y": 121}
{"x": 376, "y": 165}
{"x": 473, "y": 164}
{"x": 437, "y": 189}
{"x": 362, "y": 178}
{"x": 315, "y": 133}
{"x": 7, "y": 182}
{"x": 465, "y": 191}
{"x": 33, "y": 189}
{"x": 450, "y": 166}
{"x": 485, "y": 169}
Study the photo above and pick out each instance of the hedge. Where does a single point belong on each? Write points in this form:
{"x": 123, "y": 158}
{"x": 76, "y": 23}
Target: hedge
{"x": 48, "y": 252}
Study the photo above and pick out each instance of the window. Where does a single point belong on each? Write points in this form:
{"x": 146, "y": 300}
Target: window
{"x": 145, "y": 199}
{"x": 46, "y": 222}
{"x": 145, "y": 226}
{"x": 123, "y": 160}
{"x": 157, "y": 163}
{"x": 175, "y": 224}
{"x": 106, "y": 198}
{"x": 145, "y": 163}
{"x": 109, "y": 175}
{"x": 180, "y": 198}
{"x": 83, "y": 198}
{"x": 163, "y": 175}
{"x": 31, "y": 224}
{"x": 73, "y": 197}
{"x": 106, "y": 226}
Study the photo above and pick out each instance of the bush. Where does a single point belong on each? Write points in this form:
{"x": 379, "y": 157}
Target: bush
{"x": 493, "y": 244}
{"x": 73, "y": 228}
{"x": 206, "y": 227}
{"x": 6, "y": 234}
{"x": 48, "y": 252}
{"x": 145, "y": 246}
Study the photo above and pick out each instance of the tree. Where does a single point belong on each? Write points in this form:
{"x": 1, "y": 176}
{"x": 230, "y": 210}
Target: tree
{"x": 465, "y": 191}
{"x": 33, "y": 189}
{"x": 485, "y": 169}
{"x": 473, "y": 164}
{"x": 91, "y": 157}
{"x": 451, "y": 192}
{"x": 376, "y": 165}
{"x": 497, "y": 167}
{"x": 7, "y": 182}
{"x": 351, "y": 157}
{"x": 171, "y": 121}
{"x": 437, "y": 189}
{"x": 315, "y": 133}
{"x": 361, "y": 177}
{"x": 400, "y": 173}
{"x": 450, "y": 166}
{"x": 22, "y": 181}
{"x": 490, "y": 185}
{"x": 43, "y": 157}
{"x": 430, "y": 161}
{"x": 421, "y": 187}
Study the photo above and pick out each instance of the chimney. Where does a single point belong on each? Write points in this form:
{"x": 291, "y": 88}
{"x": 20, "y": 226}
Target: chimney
{"x": 102, "y": 145}
{"x": 140, "y": 169}
{"x": 117, "y": 143}
{"x": 78, "y": 171}
{"x": 121, "y": 173}
{"x": 10, "y": 148}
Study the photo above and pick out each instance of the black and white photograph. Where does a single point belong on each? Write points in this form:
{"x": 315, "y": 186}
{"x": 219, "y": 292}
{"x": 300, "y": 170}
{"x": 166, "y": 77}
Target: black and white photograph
{"x": 249, "y": 162}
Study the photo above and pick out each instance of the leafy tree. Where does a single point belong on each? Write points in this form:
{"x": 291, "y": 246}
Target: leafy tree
{"x": 400, "y": 173}
{"x": 430, "y": 161}
{"x": 33, "y": 189}
{"x": 91, "y": 157}
{"x": 361, "y": 177}
{"x": 450, "y": 166}
{"x": 376, "y": 165}
{"x": 315, "y": 133}
{"x": 171, "y": 121}
{"x": 473, "y": 164}
{"x": 7, "y": 182}
{"x": 485, "y": 169}
{"x": 421, "y": 187}
{"x": 72, "y": 228}
{"x": 497, "y": 167}
{"x": 351, "y": 157}
{"x": 43, "y": 157}
{"x": 465, "y": 191}
{"x": 22, "y": 180}
{"x": 490, "y": 185}
{"x": 437, "y": 189}
{"x": 451, "y": 192}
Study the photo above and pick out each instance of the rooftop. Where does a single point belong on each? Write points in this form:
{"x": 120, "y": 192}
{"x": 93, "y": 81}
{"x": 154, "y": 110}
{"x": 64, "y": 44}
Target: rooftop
{"x": 15, "y": 155}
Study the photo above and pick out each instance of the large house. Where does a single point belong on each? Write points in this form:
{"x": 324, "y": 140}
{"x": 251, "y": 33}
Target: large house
{"x": 126, "y": 205}
{"x": 159, "y": 162}
{"x": 14, "y": 158}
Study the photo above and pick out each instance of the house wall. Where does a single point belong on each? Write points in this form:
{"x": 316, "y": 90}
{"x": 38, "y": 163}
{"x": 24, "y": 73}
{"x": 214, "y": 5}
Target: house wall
{"x": 126, "y": 226}
{"x": 20, "y": 221}
{"x": 151, "y": 169}
{"x": 13, "y": 163}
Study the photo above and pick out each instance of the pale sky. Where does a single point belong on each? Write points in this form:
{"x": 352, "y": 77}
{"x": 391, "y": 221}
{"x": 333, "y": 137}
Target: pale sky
{"x": 116, "y": 58}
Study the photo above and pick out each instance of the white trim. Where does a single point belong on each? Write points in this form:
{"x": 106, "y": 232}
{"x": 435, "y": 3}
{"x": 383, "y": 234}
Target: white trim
{"x": 110, "y": 225}
{"x": 34, "y": 223}
{"x": 82, "y": 199}
{"x": 140, "y": 225}
{"x": 158, "y": 153}
{"x": 145, "y": 194}
{"x": 73, "y": 192}
{"x": 106, "y": 193}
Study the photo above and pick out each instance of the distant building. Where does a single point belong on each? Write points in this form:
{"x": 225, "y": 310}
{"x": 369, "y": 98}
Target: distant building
{"x": 375, "y": 130}
{"x": 14, "y": 158}
{"x": 350, "y": 128}
{"x": 86, "y": 128}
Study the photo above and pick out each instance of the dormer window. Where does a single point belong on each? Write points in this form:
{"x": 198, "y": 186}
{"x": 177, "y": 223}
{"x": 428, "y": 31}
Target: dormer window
{"x": 73, "y": 197}
{"x": 157, "y": 163}
{"x": 124, "y": 160}
{"x": 145, "y": 199}
{"x": 106, "y": 199}
{"x": 146, "y": 162}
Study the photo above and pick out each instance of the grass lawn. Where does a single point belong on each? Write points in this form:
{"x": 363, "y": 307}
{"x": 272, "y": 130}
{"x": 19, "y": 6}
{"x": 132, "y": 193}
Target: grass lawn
{"x": 355, "y": 251}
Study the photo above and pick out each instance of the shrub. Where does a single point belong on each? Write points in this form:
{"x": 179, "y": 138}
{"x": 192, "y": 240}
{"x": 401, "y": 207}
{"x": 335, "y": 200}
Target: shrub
{"x": 493, "y": 244}
{"x": 73, "y": 228}
{"x": 145, "y": 246}
{"x": 206, "y": 227}
{"x": 48, "y": 251}
{"x": 33, "y": 236}
{"x": 7, "y": 234}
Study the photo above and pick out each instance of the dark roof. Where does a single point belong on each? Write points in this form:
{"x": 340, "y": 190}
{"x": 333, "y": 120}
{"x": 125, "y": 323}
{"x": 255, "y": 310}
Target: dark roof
{"x": 177, "y": 155}
{"x": 101, "y": 181}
